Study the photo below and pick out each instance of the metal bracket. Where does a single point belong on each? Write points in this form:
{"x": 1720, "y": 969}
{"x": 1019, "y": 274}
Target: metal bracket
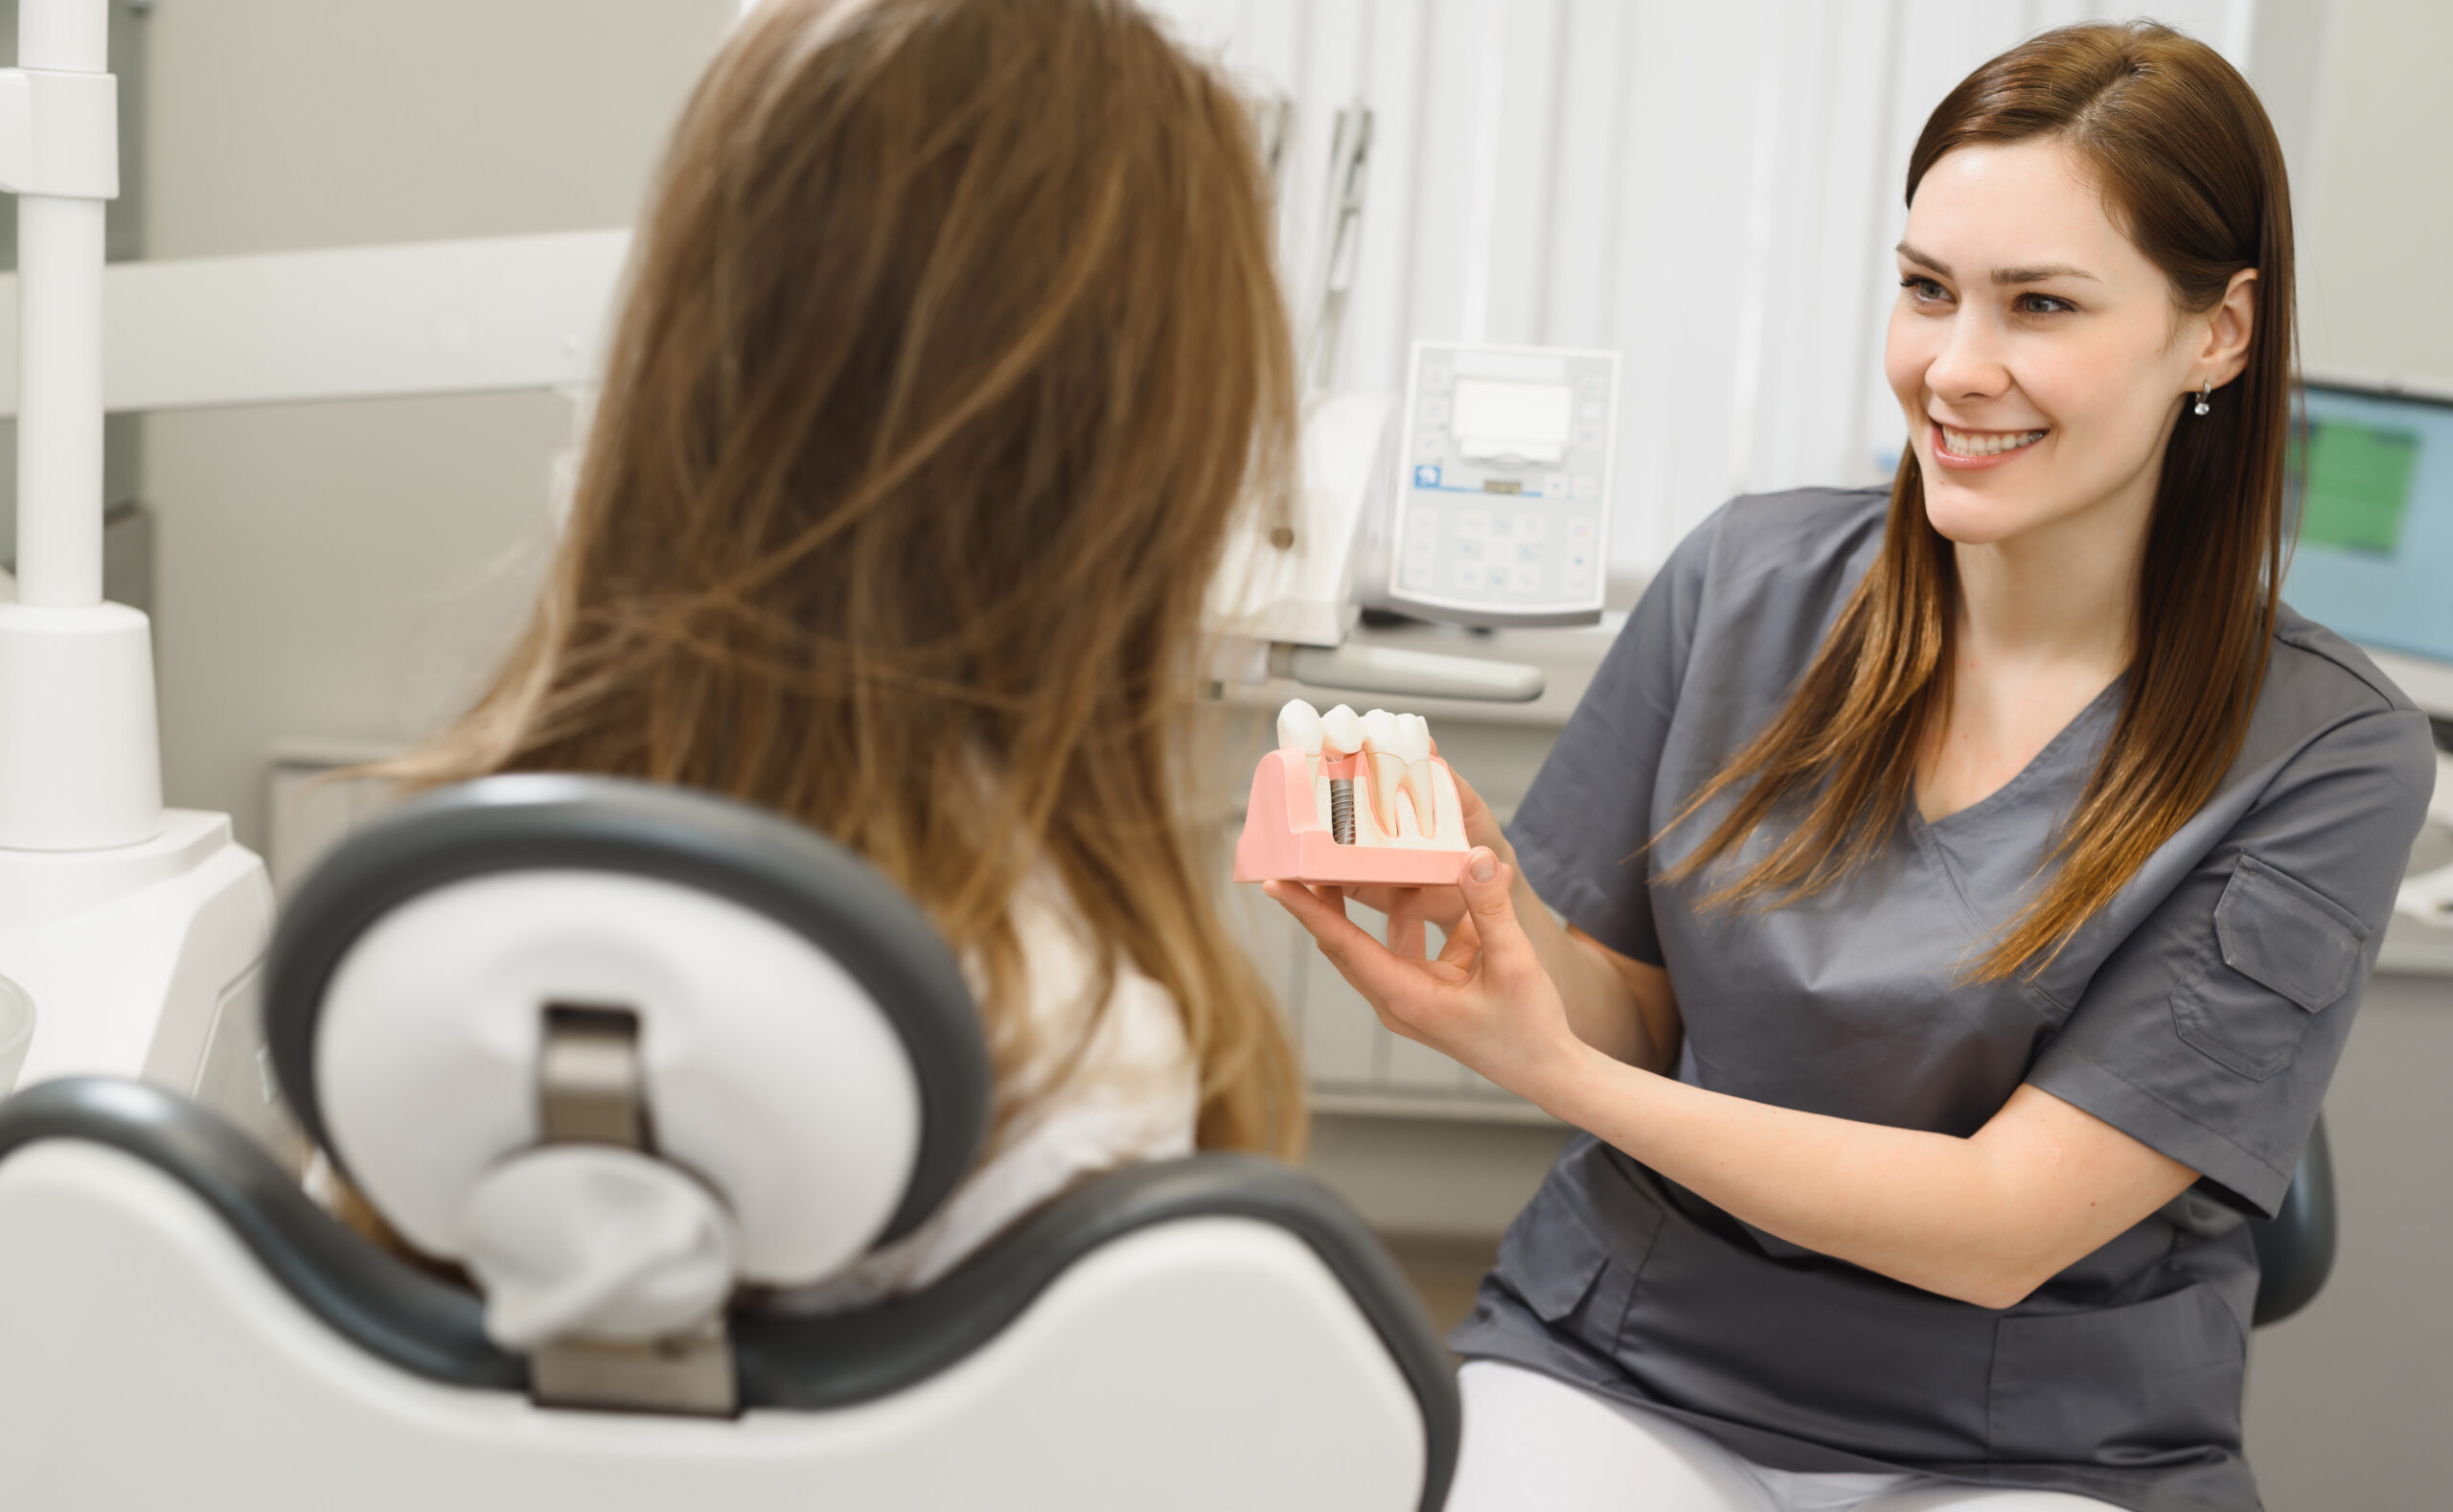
{"x": 58, "y": 133}
{"x": 591, "y": 1090}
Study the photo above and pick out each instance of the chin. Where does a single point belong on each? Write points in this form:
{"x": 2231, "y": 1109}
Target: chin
{"x": 1967, "y": 518}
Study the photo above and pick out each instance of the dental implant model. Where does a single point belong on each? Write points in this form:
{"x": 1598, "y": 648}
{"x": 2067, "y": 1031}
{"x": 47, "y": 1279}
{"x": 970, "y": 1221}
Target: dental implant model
{"x": 1352, "y": 798}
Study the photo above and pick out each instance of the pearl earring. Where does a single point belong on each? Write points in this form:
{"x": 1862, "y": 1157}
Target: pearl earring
{"x": 2203, "y": 407}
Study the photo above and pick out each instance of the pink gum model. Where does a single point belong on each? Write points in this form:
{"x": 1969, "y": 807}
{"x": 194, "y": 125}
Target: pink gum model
{"x": 1283, "y": 839}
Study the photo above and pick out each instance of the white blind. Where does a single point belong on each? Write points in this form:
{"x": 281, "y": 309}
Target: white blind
{"x": 1713, "y": 190}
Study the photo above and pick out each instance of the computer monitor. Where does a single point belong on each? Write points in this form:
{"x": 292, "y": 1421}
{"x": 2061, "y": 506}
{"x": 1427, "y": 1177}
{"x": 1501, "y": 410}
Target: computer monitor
{"x": 2375, "y": 562}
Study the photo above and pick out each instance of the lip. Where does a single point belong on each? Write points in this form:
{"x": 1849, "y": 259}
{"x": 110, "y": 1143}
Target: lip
{"x": 1945, "y": 457}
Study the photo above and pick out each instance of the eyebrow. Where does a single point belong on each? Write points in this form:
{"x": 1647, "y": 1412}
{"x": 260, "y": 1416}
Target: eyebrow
{"x": 2005, "y": 277}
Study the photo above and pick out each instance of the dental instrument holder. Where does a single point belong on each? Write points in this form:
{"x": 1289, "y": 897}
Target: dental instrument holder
{"x": 135, "y": 928}
{"x": 1284, "y": 840}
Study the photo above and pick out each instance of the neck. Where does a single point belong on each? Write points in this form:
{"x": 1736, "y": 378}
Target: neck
{"x": 2067, "y": 593}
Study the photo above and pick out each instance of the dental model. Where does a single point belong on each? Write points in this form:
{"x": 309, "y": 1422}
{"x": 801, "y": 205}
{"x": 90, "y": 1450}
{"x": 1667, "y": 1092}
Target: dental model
{"x": 1352, "y": 798}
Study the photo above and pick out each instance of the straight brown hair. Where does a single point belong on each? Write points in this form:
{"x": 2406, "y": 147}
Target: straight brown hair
{"x": 2188, "y": 167}
{"x": 951, "y": 343}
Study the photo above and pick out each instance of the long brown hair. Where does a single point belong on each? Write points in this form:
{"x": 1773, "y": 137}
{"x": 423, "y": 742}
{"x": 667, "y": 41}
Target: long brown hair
{"x": 2188, "y": 167}
{"x": 951, "y": 343}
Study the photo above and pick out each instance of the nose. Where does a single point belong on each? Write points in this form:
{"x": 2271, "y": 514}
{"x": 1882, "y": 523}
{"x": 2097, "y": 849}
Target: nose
{"x": 1969, "y": 365}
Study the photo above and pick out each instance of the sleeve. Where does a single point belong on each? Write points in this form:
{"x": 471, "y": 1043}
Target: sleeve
{"x": 2210, "y": 1033}
{"x": 1590, "y": 809}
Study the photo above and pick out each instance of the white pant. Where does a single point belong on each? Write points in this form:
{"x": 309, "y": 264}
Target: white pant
{"x": 1533, "y": 1444}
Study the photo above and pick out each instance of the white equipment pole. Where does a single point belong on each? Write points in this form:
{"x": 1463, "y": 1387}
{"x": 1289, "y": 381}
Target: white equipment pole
{"x": 80, "y": 756}
{"x": 135, "y": 932}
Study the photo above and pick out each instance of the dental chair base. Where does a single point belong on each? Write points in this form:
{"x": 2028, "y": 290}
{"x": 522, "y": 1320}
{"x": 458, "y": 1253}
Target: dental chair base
{"x": 185, "y": 1329}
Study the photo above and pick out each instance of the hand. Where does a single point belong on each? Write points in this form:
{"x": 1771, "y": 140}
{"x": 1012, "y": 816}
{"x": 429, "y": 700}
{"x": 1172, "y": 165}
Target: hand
{"x": 1485, "y": 1001}
{"x": 1444, "y": 906}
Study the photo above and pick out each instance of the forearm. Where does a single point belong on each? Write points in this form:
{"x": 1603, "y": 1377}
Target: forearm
{"x": 1931, "y": 1210}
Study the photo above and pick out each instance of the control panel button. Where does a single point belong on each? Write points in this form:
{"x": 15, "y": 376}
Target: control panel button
{"x": 1586, "y": 489}
{"x": 1588, "y": 436}
{"x": 1474, "y": 522}
{"x": 1434, "y": 411}
{"x": 1577, "y": 580}
{"x": 1470, "y": 576}
{"x": 1470, "y": 547}
{"x": 1426, "y": 478}
{"x": 1554, "y": 485}
{"x": 1525, "y": 580}
{"x": 1418, "y": 575}
{"x": 1581, "y": 527}
{"x": 1503, "y": 525}
{"x": 1590, "y": 409}
{"x": 1532, "y": 527}
{"x": 1431, "y": 445}
{"x": 1528, "y": 551}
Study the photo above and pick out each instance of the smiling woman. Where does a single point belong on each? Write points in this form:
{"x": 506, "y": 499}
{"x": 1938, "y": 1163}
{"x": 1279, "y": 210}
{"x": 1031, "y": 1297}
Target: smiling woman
{"x": 1967, "y": 886}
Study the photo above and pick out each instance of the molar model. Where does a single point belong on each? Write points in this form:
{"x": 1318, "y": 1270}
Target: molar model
{"x": 1352, "y": 798}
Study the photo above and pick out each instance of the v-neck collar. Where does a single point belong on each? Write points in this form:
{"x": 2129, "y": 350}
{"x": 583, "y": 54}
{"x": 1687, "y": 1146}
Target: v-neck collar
{"x": 2038, "y": 766}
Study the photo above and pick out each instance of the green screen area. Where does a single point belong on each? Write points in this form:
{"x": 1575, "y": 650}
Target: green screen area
{"x": 2359, "y": 485}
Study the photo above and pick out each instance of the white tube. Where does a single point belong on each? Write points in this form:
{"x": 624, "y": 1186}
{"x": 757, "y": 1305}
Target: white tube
{"x": 60, "y": 356}
{"x": 70, "y": 35}
{"x": 59, "y": 415}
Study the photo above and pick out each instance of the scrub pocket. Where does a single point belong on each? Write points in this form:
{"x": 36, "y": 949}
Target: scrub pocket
{"x": 2273, "y": 934}
{"x": 2120, "y": 1386}
{"x": 1574, "y": 1281}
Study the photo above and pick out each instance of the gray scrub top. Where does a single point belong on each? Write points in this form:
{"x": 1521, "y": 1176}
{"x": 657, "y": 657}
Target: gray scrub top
{"x": 2201, "y": 1012}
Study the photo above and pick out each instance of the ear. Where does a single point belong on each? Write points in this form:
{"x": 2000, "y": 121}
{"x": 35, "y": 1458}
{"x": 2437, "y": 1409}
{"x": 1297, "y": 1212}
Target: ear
{"x": 2228, "y": 329}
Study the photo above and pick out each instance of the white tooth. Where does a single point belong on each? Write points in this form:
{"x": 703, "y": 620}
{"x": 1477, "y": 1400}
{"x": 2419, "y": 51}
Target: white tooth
{"x": 1388, "y": 778}
{"x": 1414, "y": 737}
{"x": 1380, "y": 732}
{"x": 1299, "y": 727}
{"x": 1341, "y": 730}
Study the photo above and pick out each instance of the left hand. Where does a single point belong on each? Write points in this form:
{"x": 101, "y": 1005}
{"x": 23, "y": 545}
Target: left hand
{"x": 1485, "y": 1001}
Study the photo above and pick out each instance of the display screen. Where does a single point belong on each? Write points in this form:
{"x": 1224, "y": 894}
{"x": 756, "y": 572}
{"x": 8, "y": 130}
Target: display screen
{"x": 2373, "y": 477}
{"x": 1491, "y": 411}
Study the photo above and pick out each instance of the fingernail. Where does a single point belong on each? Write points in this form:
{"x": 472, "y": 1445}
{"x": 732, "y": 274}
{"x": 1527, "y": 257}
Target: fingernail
{"x": 1482, "y": 863}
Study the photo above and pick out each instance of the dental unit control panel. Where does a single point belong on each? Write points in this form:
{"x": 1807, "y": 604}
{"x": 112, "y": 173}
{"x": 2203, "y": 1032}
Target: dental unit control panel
{"x": 1503, "y": 485}
{"x": 1352, "y": 798}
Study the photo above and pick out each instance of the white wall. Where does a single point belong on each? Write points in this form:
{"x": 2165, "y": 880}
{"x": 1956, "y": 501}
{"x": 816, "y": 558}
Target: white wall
{"x": 2377, "y": 217}
{"x": 347, "y": 570}
{"x": 1710, "y": 189}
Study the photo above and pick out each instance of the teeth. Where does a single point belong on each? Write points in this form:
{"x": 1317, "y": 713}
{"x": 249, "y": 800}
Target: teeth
{"x": 1414, "y": 737}
{"x": 1380, "y": 732}
{"x": 1341, "y": 731}
{"x": 1298, "y": 728}
{"x": 1978, "y": 443}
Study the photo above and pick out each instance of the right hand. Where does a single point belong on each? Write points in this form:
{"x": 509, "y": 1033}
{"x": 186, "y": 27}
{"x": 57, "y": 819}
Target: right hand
{"x": 1444, "y": 906}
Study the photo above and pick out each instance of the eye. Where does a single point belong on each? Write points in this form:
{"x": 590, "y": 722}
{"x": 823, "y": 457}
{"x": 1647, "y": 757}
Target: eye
{"x": 2044, "y": 305}
{"x": 1924, "y": 291}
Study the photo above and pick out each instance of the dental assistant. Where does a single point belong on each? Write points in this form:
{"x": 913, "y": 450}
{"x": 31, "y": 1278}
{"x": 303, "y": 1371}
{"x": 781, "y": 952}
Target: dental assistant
{"x": 1967, "y": 885}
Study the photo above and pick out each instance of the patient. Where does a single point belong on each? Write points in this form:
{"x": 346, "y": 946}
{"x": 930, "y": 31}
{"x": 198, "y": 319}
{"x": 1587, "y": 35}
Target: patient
{"x": 951, "y": 344}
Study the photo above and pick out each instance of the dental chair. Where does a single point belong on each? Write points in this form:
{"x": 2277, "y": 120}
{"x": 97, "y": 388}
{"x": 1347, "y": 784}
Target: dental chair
{"x": 2296, "y": 1245}
{"x": 628, "y": 1056}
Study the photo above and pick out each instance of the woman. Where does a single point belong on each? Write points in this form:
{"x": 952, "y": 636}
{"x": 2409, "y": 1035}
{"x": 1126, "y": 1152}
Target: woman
{"x": 1968, "y": 889}
{"x": 947, "y": 338}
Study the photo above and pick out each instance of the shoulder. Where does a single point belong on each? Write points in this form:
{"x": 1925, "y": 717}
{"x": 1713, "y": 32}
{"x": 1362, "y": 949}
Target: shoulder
{"x": 2323, "y": 700}
{"x": 1796, "y": 554}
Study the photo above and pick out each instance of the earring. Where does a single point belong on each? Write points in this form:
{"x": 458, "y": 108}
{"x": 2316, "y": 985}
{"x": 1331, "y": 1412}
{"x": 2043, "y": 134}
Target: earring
{"x": 2203, "y": 407}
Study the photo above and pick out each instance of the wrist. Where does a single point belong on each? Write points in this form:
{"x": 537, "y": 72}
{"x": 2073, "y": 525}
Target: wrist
{"x": 1561, "y": 1082}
